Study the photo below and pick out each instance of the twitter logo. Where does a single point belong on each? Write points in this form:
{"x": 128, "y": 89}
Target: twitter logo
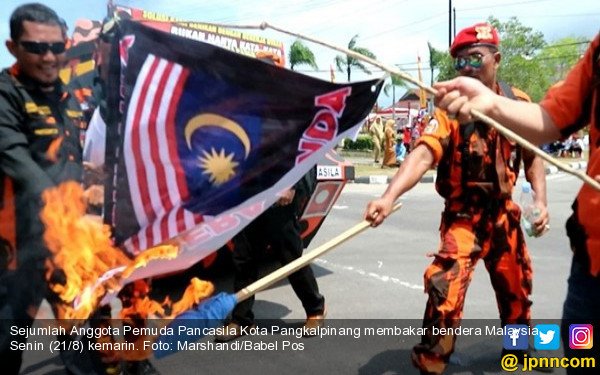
{"x": 547, "y": 337}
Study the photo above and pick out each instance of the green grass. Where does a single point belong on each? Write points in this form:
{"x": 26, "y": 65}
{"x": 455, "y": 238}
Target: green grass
{"x": 362, "y": 170}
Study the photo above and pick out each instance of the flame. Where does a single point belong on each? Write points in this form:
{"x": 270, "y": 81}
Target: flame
{"x": 82, "y": 251}
{"x": 194, "y": 293}
{"x": 85, "y": 265}
{"x": 158, "y": 252}
{"x": 140, "y": 306}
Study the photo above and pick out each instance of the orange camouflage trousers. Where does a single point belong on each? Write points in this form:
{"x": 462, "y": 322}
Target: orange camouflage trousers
{"x": 465, "y": 238}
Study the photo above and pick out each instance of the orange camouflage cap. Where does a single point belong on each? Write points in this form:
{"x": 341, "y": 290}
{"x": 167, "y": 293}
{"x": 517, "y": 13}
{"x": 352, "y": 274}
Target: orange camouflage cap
{"x": 478, "y": 34}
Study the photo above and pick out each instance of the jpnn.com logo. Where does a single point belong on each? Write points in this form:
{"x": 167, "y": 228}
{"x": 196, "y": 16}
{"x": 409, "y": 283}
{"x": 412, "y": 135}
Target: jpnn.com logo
{"x": 545, "y": 337}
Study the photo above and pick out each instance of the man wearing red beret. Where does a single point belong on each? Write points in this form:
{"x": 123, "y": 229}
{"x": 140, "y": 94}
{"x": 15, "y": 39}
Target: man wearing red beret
{"x": 476, "y": 171}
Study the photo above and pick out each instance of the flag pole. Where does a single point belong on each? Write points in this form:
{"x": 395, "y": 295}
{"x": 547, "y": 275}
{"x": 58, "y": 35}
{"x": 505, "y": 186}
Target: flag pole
{"x": 488, "y": 120}
{"x": 304, "y": 260}
{"x": 211, "y": 312}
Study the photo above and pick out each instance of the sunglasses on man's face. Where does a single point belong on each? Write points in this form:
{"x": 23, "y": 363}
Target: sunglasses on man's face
{"x": 41, "y": 48}
{"x": 474, "y": 60}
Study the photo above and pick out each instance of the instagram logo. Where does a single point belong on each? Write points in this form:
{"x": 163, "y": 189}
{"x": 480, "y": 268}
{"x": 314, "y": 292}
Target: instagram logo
{"x": 581, "y": 336}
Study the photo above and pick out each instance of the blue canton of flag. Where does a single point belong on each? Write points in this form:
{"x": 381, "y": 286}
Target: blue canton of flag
{"x": 516, "y": 337}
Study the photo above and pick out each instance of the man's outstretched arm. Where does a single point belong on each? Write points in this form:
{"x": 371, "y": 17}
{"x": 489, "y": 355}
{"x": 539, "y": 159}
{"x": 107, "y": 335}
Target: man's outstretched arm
{"x": 460, "y": 95}
{"x": 408, "y": 175}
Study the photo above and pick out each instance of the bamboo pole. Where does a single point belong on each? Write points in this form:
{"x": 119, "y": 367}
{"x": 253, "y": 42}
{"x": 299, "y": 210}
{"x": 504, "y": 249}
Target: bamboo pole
{"x": 304, "y": 260}
{"x": 536, "y": 150}
{"x": 488, "y": 120}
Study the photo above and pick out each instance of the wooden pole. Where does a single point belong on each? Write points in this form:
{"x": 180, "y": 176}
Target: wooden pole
{"x": 493, "y": 123}
{"x": 304, "y": 260}
{"x": 393, "y": 70}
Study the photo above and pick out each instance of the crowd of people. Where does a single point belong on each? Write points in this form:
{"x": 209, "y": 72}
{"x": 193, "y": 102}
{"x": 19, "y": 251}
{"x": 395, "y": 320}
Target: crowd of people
{"x": 393, "y": 139}
{"x": 392, "y": 148}
{"x": 572, "y": 147}
{"x": 40, "y": 147}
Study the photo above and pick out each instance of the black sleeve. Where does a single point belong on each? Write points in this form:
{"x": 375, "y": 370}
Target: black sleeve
{"x": 11, "y": 118}
{"x": 17, "y": 163}
{"x": 304, "y": 189}
{"x": 15, "y": 158}
{"x": 306, "y": 185}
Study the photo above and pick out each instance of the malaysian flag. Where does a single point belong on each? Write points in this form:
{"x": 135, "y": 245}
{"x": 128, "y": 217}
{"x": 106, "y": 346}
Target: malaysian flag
{"x": 156, "y": 181}
{"x": 201, "y": 139}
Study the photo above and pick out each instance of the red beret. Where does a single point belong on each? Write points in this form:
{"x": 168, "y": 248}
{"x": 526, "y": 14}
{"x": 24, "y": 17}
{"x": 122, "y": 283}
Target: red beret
{"x": 478, "y": 34}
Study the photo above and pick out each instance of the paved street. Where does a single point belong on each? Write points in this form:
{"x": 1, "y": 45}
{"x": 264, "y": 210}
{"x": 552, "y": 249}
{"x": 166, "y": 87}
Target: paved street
{"x": 375, "y": 280}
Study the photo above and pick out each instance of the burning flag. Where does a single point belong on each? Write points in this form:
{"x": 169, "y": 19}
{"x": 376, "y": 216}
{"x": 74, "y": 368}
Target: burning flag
{"x": 85, "y": 265}
{"x": 204, "y": 139}
{"x": 199, "y": 142}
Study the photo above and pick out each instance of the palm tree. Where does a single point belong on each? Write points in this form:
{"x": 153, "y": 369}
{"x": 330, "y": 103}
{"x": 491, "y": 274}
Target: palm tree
{"x": 349, "y": 62}
{"x": 301, "y": 54}
{"x": 435, "y": 59}
{"x": 443, "y": 62}
{"x": 396, "y": 82}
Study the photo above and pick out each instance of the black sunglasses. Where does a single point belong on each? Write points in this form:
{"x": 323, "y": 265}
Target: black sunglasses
{"x": 41, "y": 48}
{"x": 474, "y": 60}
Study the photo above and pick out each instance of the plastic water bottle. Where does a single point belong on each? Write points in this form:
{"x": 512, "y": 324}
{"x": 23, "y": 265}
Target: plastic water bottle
{"x": 529, "y": 211}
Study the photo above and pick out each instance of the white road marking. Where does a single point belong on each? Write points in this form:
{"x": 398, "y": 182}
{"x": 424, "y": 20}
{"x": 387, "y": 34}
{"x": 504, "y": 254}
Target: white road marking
{"x": 373, "y": 275}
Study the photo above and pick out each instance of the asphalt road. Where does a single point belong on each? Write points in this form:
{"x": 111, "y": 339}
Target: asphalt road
{"x": 374, "y": 281}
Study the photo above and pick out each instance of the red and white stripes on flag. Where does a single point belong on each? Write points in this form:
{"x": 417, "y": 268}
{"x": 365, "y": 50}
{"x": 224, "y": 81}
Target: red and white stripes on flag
{"x": 157, "y": 182}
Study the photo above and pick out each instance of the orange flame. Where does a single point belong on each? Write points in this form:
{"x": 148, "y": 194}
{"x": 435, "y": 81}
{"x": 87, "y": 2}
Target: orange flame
{"x": 82, "y": 251}
{"x": 166, "y": 310}
{"x": 196, "y": 291}
{"x": 158, "y": 252}
{"x": 85, "y": 265}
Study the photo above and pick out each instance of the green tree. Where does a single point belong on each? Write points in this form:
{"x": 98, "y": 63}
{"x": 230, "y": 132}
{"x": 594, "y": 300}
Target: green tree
{"x": 436, "y": 60}
{"x": 520, "y": 65}
{"x": 442, "y": 61}
{"x": 348, "y": 62}
{"x": 528, "y": 62}
{"x": 558, "y": 57}
{"x": 301, "y": 55}
{"x": 394, "y": 82}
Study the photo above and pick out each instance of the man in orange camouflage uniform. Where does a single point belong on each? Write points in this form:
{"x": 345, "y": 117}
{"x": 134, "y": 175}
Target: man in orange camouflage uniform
{"x": 567, "y": 108}
{"x": 477, "y": 169}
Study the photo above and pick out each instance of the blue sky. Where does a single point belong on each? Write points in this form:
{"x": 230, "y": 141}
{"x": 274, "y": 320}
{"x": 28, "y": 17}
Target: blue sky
{"x": 395, "y": 30}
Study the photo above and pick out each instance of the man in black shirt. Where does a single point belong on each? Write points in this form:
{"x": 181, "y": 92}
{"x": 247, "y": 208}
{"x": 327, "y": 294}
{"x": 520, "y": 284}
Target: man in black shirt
{"x": 278, "y": 230}
{"x": 40, "y": 124}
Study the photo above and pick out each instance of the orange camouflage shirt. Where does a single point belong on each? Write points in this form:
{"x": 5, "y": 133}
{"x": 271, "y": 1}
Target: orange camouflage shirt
{"x": 572, "y": 105}
{"x": 476, "y": 165}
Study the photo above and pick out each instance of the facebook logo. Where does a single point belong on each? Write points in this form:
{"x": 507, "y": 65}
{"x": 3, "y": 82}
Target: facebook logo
{"x": 516, "y": 337}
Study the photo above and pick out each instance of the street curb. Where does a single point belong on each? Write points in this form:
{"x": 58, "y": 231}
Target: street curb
{"x": 384, "y": 179}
